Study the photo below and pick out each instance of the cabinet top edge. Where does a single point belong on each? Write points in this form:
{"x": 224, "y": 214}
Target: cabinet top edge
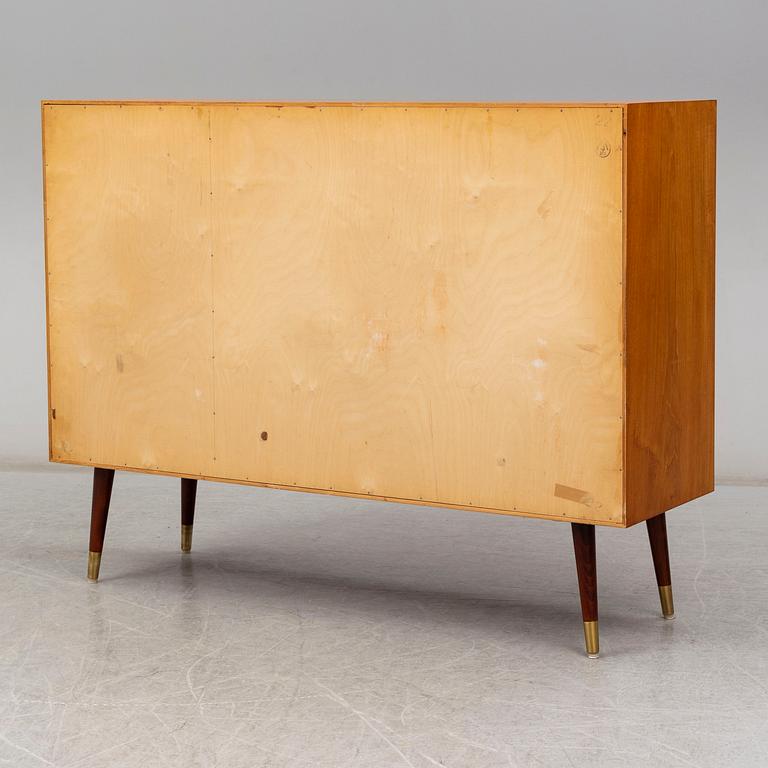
{"x": 311, "y": 104}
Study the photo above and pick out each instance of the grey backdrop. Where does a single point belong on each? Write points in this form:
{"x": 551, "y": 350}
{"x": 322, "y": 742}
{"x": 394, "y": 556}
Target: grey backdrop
{"x": 395, "y": 50}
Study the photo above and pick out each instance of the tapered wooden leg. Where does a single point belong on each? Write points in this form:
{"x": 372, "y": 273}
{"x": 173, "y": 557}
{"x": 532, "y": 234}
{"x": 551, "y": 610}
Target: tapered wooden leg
{"x": 188, "y": 494}
{"x": 102, "y": 493}
{"x": 586, "y": 568}
{"x": 657, "y": 534}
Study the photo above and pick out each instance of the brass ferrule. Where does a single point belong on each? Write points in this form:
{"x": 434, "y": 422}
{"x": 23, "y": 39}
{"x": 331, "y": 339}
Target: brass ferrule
{"x": 94, "y": 562}
{"x": 667, "y": 603}
{"x": 592, "y": 639}
{"x": 186, "y": 538}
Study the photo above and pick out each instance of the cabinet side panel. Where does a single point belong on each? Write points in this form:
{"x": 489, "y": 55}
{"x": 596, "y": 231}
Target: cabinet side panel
{"x": 670, "y": 284}
{"x": 129, "y": 286}
{"x": 422, "y": 304}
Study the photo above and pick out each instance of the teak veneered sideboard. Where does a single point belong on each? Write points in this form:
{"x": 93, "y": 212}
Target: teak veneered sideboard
{"x": 497, "y": 307}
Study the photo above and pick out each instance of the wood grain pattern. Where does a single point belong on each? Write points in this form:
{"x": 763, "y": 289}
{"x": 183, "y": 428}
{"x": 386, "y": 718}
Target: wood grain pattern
{"x": 102, "y": 494}
{"x": 586, "y": 568}
{"x": 670, "y": 282}
{"x": 129, "y": 291}
{"x": 188, "y": 497}
{"x": 421, "y": 303}
{"x": 657, "y": 536}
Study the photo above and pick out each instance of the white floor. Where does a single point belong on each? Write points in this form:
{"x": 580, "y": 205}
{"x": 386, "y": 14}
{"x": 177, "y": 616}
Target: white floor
{"x": 306, "y": 630}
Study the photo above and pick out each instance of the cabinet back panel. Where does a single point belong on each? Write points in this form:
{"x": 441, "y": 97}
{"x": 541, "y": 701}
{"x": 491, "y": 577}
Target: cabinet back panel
{"x": 407, "y": 302}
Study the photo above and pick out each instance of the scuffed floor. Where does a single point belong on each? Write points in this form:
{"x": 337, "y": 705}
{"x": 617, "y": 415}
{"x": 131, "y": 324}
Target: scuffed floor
{"x": 306, "y": 630}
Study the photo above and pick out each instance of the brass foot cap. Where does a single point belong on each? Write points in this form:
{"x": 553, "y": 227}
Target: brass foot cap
{"x": 592, "y": 639}
{"x": 94, "y": 563}
{"x": 667, "y": 603}
{"x": 186, "y": 538}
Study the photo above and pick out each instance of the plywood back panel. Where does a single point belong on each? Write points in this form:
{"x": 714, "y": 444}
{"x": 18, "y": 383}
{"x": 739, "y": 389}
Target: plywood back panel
{"x": 418, "y": 303}
{"x": 129, "y": 285}
{"x": 670, "y": 307}
{"x": 421, "y": 303}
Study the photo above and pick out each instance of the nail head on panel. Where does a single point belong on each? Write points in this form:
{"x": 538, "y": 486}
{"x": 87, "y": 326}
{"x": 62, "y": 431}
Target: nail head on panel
{"x": 264, "y": 435}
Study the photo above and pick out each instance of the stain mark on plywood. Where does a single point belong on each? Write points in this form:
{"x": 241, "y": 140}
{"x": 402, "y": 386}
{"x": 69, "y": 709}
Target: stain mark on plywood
{"x": 573, "y": 494}
{"x": 545, "y": 207}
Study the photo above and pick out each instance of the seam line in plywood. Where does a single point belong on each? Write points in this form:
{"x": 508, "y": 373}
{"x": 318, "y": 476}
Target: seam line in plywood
{"x": 213, "y": 306}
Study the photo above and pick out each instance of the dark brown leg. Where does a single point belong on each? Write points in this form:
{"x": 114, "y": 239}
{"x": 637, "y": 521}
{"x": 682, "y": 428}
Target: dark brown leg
{"x": 657, "y": 533}
{"x": 586, "y": 568}
{"x": 102, "y": 492}
{"x": 188, "y": 493}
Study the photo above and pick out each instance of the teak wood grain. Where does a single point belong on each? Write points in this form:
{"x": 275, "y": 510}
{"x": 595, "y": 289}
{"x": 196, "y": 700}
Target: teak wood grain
{"x": 670, "y": 305}
{"x": 422, "y": 303}
{"x": 586, "y": 568}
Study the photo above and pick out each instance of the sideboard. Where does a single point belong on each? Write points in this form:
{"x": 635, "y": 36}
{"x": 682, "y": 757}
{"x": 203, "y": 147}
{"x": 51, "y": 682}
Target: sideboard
{"x": 506, "y": 308}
